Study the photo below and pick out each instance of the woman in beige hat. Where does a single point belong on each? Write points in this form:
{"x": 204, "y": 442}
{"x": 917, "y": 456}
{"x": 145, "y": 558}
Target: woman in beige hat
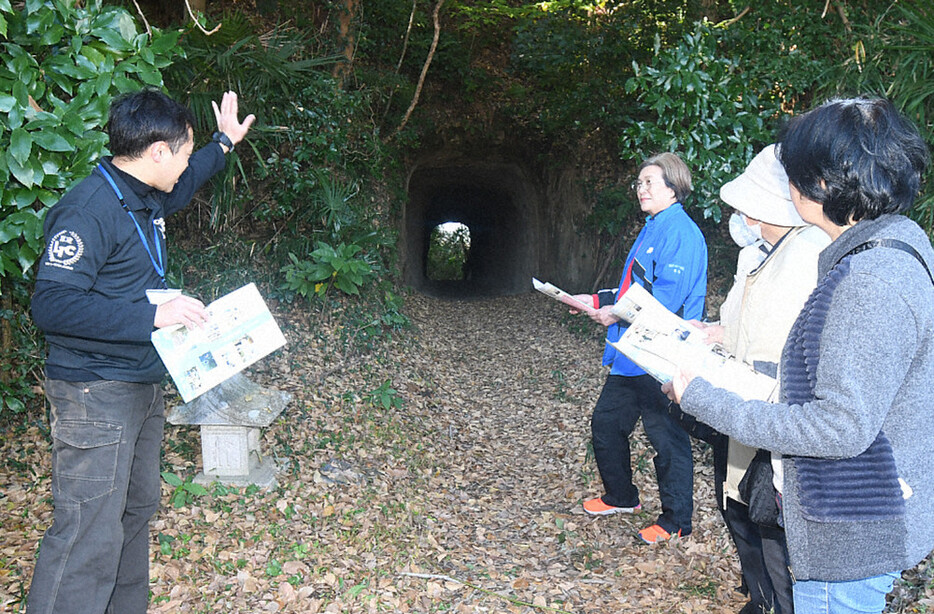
{"x": 776, "y": 270}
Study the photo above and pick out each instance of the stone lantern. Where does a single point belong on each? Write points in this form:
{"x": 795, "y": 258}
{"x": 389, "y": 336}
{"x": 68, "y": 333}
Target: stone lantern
{"x": 230, "y": 416}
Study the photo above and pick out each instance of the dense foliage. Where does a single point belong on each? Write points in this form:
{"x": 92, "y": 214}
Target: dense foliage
{"x": 62, "y": 63}
{"x": 893, "y": 56}
{"x": 321, "y": 177}
{"x": 699, "y": 104}
{"x": 308, "y": 173}
{"x": 448, "y": 252}
{"x": 624, "y": 79}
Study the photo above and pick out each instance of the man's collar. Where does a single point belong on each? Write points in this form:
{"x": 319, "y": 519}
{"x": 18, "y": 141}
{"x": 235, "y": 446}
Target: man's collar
{"x": 140, "y": 189}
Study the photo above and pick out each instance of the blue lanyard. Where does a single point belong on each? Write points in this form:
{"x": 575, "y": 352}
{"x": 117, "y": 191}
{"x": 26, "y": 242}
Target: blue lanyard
{"x": 158, "y": 266}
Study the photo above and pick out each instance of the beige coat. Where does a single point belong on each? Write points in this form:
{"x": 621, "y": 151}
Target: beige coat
{"x": 760, "y": 310}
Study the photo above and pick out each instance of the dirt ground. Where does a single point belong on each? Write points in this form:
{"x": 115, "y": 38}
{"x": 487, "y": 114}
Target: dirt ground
{"x": 442, "y": 473}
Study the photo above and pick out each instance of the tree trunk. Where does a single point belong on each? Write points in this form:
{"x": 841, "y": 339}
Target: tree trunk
{"x": 709, "y": 10}
{"x": 347, "y": 39}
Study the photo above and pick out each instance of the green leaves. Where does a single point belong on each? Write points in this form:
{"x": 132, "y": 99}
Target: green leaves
{"x": 60, "y": 65}
{"x": 185, "y": 491}
{"x": 341, "y": 267}
{"x": 894, "y": 58}
{"x": 697, "y": 103}
{"x": 20, "y": 145}
{"x": 53, "y": 141}
{"x": 448, "y": 251}
{"x": 384, "y": 396}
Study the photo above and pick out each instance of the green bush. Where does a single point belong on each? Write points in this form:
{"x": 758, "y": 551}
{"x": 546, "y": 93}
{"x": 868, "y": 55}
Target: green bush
{"x": 62, "y": 63}
{"x": 893, "y": 57}
{"x": 270, "y": 74}
{"x": 697, "y": 103}
{"x": 448, "y": 253}
{"x": 20, "y": 363}
{"x": 575, "y": 59}
{"x": 341, "y": 267}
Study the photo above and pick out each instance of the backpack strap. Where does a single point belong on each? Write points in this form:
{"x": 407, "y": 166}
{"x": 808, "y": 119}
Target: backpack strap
{"x": 895, "y": 244}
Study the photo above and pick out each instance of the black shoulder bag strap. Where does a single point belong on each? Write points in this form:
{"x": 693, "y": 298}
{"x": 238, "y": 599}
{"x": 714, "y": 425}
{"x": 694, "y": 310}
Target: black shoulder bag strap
{"x": 895, "y": 244}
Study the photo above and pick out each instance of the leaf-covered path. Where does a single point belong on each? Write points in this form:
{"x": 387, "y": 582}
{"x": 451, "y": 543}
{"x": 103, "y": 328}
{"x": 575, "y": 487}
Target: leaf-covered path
{"x": 466, "y": 447}
{"x": 513, "y": 389}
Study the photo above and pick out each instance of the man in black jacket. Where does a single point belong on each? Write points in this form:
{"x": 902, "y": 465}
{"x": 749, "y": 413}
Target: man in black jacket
{"x": 100, "y": 292}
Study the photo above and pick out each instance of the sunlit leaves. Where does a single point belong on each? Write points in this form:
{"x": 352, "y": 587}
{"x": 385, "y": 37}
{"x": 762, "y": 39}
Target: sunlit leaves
{"x": 697, "y": 103}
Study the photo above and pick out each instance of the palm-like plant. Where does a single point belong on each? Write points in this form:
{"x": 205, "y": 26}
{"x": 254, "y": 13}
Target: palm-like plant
{"x": 911, "y": 46}
{"x": 267, "y": 67}
{"x": 266, "y": 70}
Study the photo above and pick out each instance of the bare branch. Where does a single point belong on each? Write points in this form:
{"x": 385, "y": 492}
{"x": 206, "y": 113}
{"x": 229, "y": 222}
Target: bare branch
{"x": 405, "y": 46}
{"x": 840, "y": 11}
{"x": 846, "y": 22}
{"x": 421, "y": 78}
{"x": 143, "y": 17}
{"x": 729, "y": 22}
{"x": 408, "y": 31}
{"x": 195, "y": 19}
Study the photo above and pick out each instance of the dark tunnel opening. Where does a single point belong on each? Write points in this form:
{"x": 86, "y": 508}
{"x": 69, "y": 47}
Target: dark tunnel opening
{"x": 524, "y": 220}
{"x": 491, "y": 219}
{"x": 494, "y": 207}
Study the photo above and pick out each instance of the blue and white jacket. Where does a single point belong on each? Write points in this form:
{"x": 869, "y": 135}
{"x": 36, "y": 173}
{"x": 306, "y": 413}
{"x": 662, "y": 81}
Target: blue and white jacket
{"x": 669, "y": 259}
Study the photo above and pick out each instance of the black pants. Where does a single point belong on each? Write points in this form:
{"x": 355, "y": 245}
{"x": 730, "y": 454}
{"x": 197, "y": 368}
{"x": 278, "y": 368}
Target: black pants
{"x": 763, "y": 555}
{"x": 621, "y": 403}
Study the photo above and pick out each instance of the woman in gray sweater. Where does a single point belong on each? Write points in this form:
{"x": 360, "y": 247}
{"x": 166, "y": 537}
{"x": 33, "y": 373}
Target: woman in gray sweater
{"x": 855, "y": 421}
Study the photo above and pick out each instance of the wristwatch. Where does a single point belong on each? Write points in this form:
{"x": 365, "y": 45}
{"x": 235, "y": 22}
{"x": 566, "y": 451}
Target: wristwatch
{"x": 223, "y": 139}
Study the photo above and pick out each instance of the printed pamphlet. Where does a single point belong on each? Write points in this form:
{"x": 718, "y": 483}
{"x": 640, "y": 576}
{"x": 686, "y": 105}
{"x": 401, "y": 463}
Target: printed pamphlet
{"x": 662, "y": 343}
{"x": 239, "y": 331}
{"x": 560, "y": 295}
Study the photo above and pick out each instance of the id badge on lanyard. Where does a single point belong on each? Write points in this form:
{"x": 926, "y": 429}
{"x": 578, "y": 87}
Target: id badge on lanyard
{"x": 163, "y": 294}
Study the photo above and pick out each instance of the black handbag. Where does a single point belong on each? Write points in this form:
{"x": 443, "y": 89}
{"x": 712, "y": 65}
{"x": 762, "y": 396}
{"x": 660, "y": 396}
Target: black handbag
{"x": 694, "y": 427}
{"x": 757, "y": 490}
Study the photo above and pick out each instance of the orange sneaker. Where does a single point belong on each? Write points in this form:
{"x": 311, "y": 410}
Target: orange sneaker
{"x": 596, "y": 507}
{"x": 655, "y": 534}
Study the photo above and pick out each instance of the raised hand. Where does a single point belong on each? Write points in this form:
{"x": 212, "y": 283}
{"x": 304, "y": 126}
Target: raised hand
{"x": 227, "y": 121}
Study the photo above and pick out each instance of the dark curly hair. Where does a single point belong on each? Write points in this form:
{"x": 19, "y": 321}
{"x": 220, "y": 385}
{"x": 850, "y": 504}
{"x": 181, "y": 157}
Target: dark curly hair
{"x": 858, "y": 157}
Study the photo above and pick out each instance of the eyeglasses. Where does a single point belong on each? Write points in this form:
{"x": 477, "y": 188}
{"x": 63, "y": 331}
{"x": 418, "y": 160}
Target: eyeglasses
{"x": 647, "y": 184}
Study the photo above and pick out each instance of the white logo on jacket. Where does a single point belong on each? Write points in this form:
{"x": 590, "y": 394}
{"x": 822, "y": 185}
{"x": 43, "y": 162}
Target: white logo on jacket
{"x": 65, "y": 249}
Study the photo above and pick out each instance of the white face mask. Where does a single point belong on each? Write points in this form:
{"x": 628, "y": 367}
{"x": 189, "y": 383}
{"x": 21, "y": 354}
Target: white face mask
{"x": 742, "y": 233}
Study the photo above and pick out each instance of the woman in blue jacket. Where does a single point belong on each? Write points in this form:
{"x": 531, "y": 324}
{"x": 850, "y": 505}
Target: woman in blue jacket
{"x": 669, "y": 259}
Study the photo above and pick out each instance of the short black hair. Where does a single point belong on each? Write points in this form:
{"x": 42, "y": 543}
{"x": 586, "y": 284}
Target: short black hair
{"x": 858, "y": 157}
{"x": 139, "y": 119}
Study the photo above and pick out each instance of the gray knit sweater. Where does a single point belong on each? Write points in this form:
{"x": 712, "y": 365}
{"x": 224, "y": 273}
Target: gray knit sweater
{"x": 875, "y": 372}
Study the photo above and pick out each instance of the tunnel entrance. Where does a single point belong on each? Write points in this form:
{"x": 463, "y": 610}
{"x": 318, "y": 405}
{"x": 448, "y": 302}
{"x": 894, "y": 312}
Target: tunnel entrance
{"x": 495, "y": 206}
{"x": 521, "y": 222}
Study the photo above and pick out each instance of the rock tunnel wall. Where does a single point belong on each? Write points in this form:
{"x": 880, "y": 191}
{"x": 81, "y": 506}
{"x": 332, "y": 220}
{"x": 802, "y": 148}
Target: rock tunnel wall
{"x": 524, "y": 221}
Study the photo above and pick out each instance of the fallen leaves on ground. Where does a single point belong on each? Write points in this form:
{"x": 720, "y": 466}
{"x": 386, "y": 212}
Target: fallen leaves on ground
{"x": 463, "y": 498}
